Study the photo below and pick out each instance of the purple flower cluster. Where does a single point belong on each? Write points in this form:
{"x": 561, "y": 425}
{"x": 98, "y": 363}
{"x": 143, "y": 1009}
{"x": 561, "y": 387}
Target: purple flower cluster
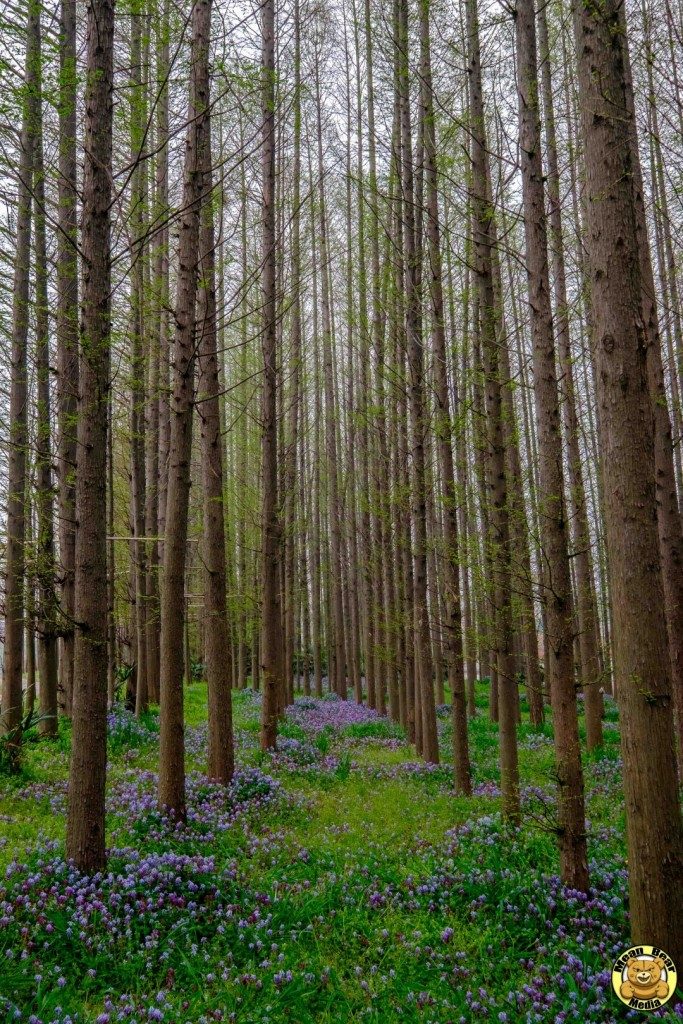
{"x": 211, "y": 808}
{"x": 314, "y": 715}
{"x": 52, "y": 793}
{"x": 295, "y": 756}
{"x": 125, "y": 730}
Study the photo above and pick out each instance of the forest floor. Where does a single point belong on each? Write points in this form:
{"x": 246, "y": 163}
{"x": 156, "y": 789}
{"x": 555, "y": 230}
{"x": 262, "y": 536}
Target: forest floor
{"x": 339, "y": 880}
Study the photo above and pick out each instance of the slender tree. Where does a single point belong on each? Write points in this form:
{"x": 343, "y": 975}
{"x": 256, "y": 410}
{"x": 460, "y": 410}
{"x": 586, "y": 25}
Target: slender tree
{"x": 47, "y": 620}
{"x": 418, "y": 419}
{"x": 444, "y": 425}
{"x": 67, "y": 337}
{"x": 270, "y": 521}
{"x": 173, "y": 613}
{"x": 12, "y": 682}
{"x": 216, "y": 635}
{"x": 552, "y": 510}
{"x": 585, "y": 590}
{"x": 492, "y": 340}
{"x": 338, "y": 682}
{"x": 85, "y": 839}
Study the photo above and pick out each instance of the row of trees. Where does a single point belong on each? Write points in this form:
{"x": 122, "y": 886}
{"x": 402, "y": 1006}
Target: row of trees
{"x": 416, "y": 350}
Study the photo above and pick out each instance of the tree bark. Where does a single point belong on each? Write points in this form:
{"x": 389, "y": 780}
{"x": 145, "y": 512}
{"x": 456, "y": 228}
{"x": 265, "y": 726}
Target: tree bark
{"x": 290, "y": 471}
{"x": 418, "y": 419}
{"x": 552, "y": 511}
{"x": 85, "y": 839}
{"x": 15, "y": 557}
{"x": 67, "y": 338}
{"x": 48, "y": 608}
{"x": 338, "y": 681}
{"x": 444, "y": 429}
{"x": 171, "y": 791}
{"x": 641, "y": 657}
{"x": 492, "y": 338}
{"x": 137, "y": 368}
{"x": 271, "y": 541}
{"x": 218, "y": 660}
{"x": 668, "y": 512}
{"x": 591, "y": 671}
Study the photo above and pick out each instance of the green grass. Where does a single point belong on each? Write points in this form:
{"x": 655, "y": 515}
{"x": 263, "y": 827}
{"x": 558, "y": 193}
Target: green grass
{"x": 371, "y": 902}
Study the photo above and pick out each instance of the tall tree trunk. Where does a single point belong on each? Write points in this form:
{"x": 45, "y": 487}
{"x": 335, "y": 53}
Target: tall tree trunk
{"x": 418, "y": 419}
{"x": 271, "y": 541}
{"x": 216, "y": 637}
{"x": 316, "y": 559}
{"x": 552, "y": 511}
{"x": 67, "y": 337}
{"x": 138, "y": 331}
{"x": 171, "y": 733}
{"x": 353, "y": 632}
{"x": 15, "y": 558}
{"x": 338, "y": 682}
{"x": 111, "y": 568}
{"x": 668, "y": 512}
{"x": 47, "y": 621}
{"x": 373, "y": 670}
{"x": 492, "y": 338}
{"x": 641, "y": 657}
{"x": 155, "y": 464}
{"x": 85, "y": 840}
{"x": 591, "y": 671}
{"x": 290, "y": 482}
{"x": 444, "y": 429}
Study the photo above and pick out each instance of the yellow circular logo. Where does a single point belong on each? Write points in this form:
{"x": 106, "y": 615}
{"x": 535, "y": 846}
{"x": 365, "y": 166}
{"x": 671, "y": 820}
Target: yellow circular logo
{"x": 644, "y": 977}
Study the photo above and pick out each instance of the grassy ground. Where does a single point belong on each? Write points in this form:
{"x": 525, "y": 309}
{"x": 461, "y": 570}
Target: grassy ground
{"x": 339, "y": 880}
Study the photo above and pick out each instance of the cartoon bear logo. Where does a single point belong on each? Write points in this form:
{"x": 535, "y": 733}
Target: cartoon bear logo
{"x": 644, "y": 979}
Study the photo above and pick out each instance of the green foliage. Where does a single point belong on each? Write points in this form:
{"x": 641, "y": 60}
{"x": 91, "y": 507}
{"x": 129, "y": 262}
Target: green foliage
{"x": 387, "y": 899}
{"x": 11, "y": 754}
{"x": 197, "y": 670}
{"x": 126, "y": 731}
{"x": 323, "y": 741}
{"x": 382, "y": 729}
{"x": 343, "y": 769}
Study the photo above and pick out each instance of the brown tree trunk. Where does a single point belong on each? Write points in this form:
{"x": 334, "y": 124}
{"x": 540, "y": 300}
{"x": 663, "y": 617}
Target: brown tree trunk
{"x": 47, "y": 622}
{"x": 418, "y": 419}
{"x": 444, "y": 430}
{"x": 338, "y": 681}
{"x": 469, "y": 638}
{"x": 591, "y": 672}
{"x": 67, "y": 338}
{"x": 642, "y": 663}
{"x": 492, "y": 338}
{"x": 290, "y": 471}
{"x": 552, "y": 512}
{"x": 316, "y": 560}
{"x": 218, "y": 660}
{"x": 30, "y": 658}
{"x": 404, "y": 566}
{"x": 85, "y": 839}
{"x": 271, "y": 628}
{"x": 352, "y": 590}
{"x": 15, "y": 558}
{"x": 155, "y": 465}
{"x": 668, "y": 512}
{"x": 138, "y": 331}
{"x": 111, "y": 569}
{"x": 171, "y": 733}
